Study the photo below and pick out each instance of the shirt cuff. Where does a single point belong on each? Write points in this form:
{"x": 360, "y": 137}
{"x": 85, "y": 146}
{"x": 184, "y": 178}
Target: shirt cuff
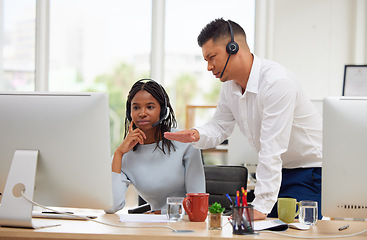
{"x": 263, "y": 205}
{"x": 201, "y": 143}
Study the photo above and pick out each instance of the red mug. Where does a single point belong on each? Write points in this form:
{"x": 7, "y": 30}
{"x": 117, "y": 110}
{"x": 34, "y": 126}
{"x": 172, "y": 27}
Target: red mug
{"x": 196, "y": 206}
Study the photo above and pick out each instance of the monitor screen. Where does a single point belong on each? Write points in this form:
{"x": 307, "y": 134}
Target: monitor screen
{"x": 344, "y": 194}
{"x": 71, "y": 134}
{"x": 355, "y": 80}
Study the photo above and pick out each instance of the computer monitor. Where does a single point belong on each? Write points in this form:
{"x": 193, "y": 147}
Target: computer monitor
{"x": 57, "y": 147}
{"x": 344, "y": 194}
{"x": 355, "y": 80}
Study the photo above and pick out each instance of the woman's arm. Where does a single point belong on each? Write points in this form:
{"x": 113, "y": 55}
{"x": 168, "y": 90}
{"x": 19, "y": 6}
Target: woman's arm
{"x": 120, "y": 184}
{"x": 134, "y": 137}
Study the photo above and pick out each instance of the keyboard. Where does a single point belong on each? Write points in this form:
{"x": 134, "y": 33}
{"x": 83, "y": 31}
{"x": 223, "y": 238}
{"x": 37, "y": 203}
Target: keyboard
{"x": 52, "y": 215}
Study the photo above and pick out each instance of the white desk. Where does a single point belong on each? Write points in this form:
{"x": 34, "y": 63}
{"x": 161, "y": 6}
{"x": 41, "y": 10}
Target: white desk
{"x": 73, "y": 229}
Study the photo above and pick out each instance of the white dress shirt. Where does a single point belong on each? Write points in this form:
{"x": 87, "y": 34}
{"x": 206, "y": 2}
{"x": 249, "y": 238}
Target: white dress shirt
{"x": 278, "y": 120}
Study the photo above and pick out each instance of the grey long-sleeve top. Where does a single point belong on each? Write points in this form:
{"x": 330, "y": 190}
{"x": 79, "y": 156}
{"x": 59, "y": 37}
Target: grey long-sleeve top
{"x": 156, "y": 175}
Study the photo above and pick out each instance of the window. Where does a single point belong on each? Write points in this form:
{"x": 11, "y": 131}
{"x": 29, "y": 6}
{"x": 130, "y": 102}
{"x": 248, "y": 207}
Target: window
{"x": 105, "y": 45}
{"x": 17, "y": 45}
{"x": 100, "y": 46}
{"x": 186, "y": 78}
{"x": 98, "y": 39}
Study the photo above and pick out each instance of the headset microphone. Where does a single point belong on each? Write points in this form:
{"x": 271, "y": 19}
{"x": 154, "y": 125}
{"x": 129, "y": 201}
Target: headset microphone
{"x": 162, "y": 118}
{"x": 231, "y": 47}
{"x": 221, "y": 75}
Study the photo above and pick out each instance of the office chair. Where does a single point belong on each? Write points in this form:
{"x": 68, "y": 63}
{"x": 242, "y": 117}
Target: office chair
{"x": 142, "y": 208}
{"x": 221, "y": 180}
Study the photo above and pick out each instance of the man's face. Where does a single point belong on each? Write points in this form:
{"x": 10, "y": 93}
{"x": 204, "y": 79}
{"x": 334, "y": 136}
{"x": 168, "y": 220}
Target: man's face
{"x": 216, "y": 55}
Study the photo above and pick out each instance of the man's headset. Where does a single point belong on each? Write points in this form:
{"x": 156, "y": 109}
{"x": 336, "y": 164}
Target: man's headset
{"x": 231, "y": 47}
{"x": 164, "y": 109}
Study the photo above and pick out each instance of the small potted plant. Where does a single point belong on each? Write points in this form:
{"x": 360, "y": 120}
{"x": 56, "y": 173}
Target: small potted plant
{"x": 215, "y": 216}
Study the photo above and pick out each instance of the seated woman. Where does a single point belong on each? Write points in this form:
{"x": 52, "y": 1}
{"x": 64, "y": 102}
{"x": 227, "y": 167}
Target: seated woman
{"x": 157, "y": 167}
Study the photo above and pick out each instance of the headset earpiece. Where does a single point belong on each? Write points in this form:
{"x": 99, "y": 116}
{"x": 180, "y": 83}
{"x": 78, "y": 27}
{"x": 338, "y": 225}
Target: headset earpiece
{"x": 231, "y": 47}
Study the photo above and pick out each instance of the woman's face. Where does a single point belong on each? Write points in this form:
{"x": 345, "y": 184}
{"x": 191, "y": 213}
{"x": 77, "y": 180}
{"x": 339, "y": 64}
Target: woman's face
{"x": 145, "y": 110}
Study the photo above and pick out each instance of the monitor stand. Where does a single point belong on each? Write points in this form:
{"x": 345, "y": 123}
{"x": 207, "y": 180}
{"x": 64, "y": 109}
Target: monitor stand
{"x": 15, "y": 211}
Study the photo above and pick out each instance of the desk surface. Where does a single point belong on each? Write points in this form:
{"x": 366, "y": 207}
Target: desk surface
{"x": 74, "y": 229}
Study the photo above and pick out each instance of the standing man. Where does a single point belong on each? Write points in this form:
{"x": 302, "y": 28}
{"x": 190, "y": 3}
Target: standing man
{"x": 272, "y": 112}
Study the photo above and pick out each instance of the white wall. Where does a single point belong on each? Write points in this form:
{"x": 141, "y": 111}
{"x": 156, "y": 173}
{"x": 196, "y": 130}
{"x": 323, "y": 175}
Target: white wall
{"x": 314, "y": 39}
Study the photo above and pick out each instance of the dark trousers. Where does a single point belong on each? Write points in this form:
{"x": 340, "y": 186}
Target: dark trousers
{"x": 301, "y": 184}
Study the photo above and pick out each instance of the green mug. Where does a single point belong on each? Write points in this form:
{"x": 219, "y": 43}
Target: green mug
{"x": 287, "y": 209}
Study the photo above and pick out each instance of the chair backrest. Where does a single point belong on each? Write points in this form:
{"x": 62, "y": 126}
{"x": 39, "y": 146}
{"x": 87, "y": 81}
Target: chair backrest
{"x": 222, "y": 180}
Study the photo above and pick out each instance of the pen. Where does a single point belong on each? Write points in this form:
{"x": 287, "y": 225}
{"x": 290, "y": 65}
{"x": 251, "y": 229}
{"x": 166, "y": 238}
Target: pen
{"x": 229, "y": 198}
{"x": 238, "y": 198}
{"x": 244, "y": 197}
{"x": 343, "y": 227}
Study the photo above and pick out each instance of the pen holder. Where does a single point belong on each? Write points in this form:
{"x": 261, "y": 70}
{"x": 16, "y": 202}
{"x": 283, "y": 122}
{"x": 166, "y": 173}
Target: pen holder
{"x": 243, "y": 220}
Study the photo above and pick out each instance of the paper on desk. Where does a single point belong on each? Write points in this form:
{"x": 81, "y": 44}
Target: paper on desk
{"x": 143, "y": 218}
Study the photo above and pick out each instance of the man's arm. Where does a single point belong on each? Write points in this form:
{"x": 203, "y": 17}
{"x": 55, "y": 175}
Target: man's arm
{"x": 185, "y": 136}
{"x": 279, "y": 101}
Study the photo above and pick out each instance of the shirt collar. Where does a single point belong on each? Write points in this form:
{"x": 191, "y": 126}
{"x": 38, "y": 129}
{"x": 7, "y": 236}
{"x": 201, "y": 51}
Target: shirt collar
{"x": 253, "y": 80}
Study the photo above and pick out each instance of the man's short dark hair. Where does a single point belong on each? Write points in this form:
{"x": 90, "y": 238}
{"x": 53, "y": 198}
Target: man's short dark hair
{"x": 218, "y": 29}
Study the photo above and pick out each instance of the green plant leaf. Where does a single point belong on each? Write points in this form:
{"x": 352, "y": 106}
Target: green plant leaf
{"x": 216, "y": 208}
